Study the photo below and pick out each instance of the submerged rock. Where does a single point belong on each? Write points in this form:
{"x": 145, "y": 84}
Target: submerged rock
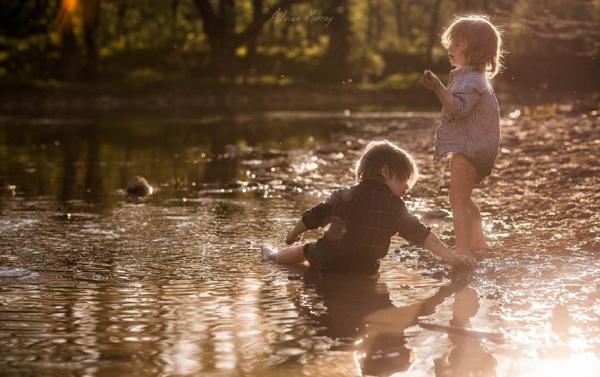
{"x": 10, "y": 190}
{"x": 436, "y": 214}
{"x": 139, "y": 186}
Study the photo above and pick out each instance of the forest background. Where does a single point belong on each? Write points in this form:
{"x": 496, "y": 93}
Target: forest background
{"x": 252, "y": 51}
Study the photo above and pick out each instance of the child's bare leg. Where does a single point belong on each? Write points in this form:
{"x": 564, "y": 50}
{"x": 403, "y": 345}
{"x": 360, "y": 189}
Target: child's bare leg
{"x": 462, "y": 180}
{"x": 288, "y": 255}
{"x": 478, "y": 241}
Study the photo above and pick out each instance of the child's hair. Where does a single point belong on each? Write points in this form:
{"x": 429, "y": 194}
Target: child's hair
{"x": 382, "y": 153}
{"x": 482, "y": 39}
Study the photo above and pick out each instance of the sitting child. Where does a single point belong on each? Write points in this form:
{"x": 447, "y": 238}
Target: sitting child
{"x": 363, "y": 218}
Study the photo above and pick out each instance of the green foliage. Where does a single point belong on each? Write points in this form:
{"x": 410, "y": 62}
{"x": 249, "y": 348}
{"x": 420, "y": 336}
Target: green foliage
{"x": 365, "y": 63}
{"x": 401, "y": 80}
{"x": 145, "y": 76}
{"x": 147, "y": 42}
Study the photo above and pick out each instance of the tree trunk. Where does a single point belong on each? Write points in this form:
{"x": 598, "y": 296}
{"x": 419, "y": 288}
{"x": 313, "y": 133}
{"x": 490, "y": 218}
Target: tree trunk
{"x": 370, "y": 22}
{"x": 69, "y": 51}
{"x": 174, "y": 8}
{"x": 379, "y": 26}
{"x": 257, "y": 6}
{"x": 433, "y": 30}
{"x": 220, "y": 31}
{"x": 91, "y": 18}
{"x": 285, "y": 33}
{"x": 222, "y": 53}
{"x": 121, "y": 23}
{"x": 399, "y": 15}
{"x": 335, "y": 60}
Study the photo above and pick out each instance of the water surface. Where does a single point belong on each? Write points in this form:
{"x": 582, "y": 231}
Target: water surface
{"x": 95, "y": 283}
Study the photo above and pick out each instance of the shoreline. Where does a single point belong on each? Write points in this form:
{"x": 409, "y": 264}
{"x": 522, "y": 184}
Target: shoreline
{"x": 190, "y": 99}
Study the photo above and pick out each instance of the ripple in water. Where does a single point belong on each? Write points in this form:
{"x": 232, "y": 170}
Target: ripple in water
{"x": 173, "y": 285}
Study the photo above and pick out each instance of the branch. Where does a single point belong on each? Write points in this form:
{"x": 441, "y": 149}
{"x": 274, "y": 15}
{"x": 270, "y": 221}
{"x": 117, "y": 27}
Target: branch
{"x": 552, "y": 27}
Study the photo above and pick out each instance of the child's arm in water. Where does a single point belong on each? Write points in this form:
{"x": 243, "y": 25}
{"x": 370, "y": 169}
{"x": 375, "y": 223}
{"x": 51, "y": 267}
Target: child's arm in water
{"x": 294, "y": 233}
{"x": 432, "y": 82}
{"x": 433, "y": 244}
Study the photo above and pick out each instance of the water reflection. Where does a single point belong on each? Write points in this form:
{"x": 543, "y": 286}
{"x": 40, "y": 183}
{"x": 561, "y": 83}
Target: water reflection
{"x": 467, "y": 356}
{"x": 89, "y": 159}
{"x": 94, "y": 284}
{"x": 359, "y": 314}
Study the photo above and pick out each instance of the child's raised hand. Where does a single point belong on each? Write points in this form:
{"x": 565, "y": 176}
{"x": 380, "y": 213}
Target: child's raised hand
{"x": 430, "y": 80}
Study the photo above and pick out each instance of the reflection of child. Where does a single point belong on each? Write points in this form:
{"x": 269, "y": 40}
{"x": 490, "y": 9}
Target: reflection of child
{"x": 467, "y": 357}
{"x": 470, "y": 127}
{"x": 363, "y": 218}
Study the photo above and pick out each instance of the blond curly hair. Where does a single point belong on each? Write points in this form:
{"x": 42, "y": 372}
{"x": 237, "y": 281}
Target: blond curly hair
{"x": 483, "y": 42}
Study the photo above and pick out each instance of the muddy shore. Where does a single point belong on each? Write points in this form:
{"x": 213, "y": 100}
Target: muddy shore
{"x": 545, "y": 186}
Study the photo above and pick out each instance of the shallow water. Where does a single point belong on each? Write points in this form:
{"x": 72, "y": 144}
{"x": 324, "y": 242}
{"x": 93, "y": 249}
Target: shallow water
{"x": 95, "y": 283}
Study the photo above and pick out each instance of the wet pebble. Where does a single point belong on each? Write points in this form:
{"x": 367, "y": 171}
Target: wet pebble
{"x": 139, "y": 186}
{"x": 436, "y": 214}
{"x": 8, "y": 190}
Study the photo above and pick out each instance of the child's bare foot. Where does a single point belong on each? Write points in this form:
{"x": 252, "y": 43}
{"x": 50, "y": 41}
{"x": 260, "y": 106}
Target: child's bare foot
{"x": 464, "y": 261}
{"x": 267, "y": 252}
{"x": 463, "y": 251}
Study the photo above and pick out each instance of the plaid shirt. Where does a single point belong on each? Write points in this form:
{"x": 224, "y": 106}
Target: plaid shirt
{"x": 363, "y": 218}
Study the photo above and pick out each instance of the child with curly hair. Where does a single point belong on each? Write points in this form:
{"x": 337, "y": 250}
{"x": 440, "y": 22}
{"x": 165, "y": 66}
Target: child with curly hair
{"x": 470, "y": 126}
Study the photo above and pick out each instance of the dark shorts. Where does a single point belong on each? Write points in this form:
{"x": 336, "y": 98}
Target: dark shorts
{"x": 313, "y": 255}
{"x": 317, "y": 259}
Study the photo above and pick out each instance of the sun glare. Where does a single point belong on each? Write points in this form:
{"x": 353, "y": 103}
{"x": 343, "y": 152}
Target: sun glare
{"x": 64, "y": 16}
{"x": 68, "y": 6}
{"x": 581, "y": 365}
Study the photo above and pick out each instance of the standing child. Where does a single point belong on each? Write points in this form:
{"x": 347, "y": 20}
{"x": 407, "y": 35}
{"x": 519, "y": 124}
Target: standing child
{"x": 470, "y": 127}
{"x": 363, "y": 218}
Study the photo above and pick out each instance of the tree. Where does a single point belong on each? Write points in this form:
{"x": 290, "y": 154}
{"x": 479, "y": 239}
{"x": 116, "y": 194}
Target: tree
{"x": 69, "y": 52}
{"x": 91, "y": 19}
{"x": 335, "y": 60}
{"x": 433, "y": 27}
{"x": 219, "y": 28}
{"x": 399, "y": 15}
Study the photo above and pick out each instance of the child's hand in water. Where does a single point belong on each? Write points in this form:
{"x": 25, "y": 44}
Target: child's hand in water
{"x": 294, "y": 233}
{"x": 430, "y": 80}
{"x": 291, "y": 237}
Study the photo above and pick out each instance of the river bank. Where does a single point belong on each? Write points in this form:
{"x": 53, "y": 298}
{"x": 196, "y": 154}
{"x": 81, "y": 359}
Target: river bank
{"x": 194, "y": 97}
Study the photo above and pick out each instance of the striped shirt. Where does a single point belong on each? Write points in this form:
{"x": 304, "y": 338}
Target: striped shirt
{"x": 473, "y": 127}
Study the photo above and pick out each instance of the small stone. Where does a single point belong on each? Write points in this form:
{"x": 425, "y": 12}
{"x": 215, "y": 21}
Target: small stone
{"x": 436, "y": 214}
{"x": 139, "y": 186}
{"x": 9, "y": 189}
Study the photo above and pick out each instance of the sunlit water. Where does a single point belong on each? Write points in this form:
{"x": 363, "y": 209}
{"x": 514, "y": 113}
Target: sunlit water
{"x": 94, "y": 283}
